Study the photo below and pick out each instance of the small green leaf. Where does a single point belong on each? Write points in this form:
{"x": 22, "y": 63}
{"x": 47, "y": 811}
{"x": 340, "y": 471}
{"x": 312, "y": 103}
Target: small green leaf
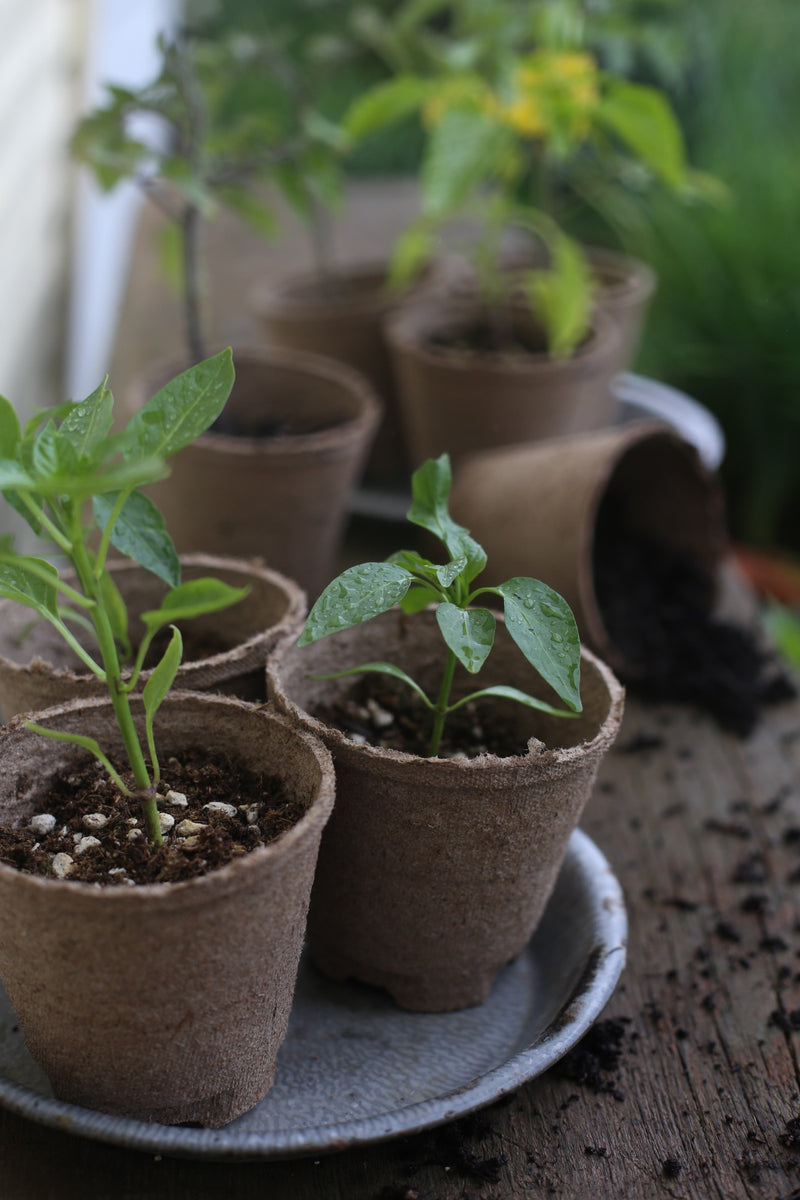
{"x": 412, "y": 250}
{"x": 643, "y": 119}
{"x": 193, "y": 599}
{"x": 385, "y": 104}
{"x": 430, "y": 490}
{"x": 54, "y": 456}
{"x": 181, "y": 411}
{"x": 12, "y": 475}
{"x": 379, "y": 668}
{"x": 140, "y": 533}
{"x": 35, "y": 588}
{"x": 88, "y": 423}
{"x": 562, "y": 296}
{"x": 510, "y": 693}
{"x": 469, "y": 632}
{"x": 155, "y": 690}
{"x": 466, "y": 148}
{"x": 357, "y": 595}
{"x": 451, "y": 571}
{"x": 85, "y": 743}
{"x": 541, "y": 623}
{"x": 417, "y": 598}
{"x": 9, "y": 429}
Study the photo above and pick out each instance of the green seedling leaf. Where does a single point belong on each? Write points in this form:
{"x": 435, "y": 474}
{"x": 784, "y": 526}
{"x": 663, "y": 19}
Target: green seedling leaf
{"x": 414, "y": 562}
{"x": 385, "y": 104}
{"x": 31, "y": 581}
{"x": 181, "y": 411}
{"x": 379, "y": 668}
{"x": 139, "y": 531}
{"x": 417, "y": 598}
{"x": 54, "y": 456}
{"x": 510, "y": 693}
{"x": 541, "y": 623}
{"x": 9, "y": 429}
{"x": 193, "y": 599}
{"x": 562, "y": 296}
{"x": 356, "y": 595}
{"x": 13, "y": 476}
{"x": 469, "y": 632}
{"x": 412, "y": 250}
{"x": 88, "y": 423}
{"x": 642, "y": 118}
{"x": 156, "y": 689}
{"x": 466, "y": 148}
{"x": 430, "y": 490}
{"x": 85, "y": 743}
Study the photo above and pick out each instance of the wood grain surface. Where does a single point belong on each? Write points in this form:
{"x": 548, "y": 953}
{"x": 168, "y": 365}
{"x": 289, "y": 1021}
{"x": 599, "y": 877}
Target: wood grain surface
{"x": 703, "y": 831}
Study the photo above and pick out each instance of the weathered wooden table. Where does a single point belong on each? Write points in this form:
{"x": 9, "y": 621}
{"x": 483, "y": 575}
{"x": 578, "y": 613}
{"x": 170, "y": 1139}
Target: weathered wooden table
{"x": 689, "y": 1086}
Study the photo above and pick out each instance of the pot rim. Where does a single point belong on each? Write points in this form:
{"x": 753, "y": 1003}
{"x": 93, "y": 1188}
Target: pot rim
{"x": 483, "y": 762}
{"x": 279, "y": 296}
{"x": 296, "y": 607}
{"x": 234, "y": 874}
{"x": 406, "y": 328}
{"x": 652, "y": 432}
{"x": 303, "y": 362}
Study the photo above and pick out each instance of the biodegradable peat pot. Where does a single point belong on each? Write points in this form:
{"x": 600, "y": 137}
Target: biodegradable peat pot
{"x": 164, "y": 1002}
{"x": 535, "y": 510}
{"x": 38, "y": 669}
{"x": 460, "y": 400}
{"x": 279, "y": 487}
{"x": 433, "y": 873}
{"x": 625, "y": 286}
{"x": 342, "y": 317}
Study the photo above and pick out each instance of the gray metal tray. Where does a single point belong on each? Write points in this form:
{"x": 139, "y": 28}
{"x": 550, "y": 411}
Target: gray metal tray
{"x": 356, "y": 1069}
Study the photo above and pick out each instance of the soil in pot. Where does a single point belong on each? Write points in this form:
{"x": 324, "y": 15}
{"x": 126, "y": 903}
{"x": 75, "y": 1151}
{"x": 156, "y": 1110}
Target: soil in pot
{"x": 383, "y": 712}
{"x": 655, "y": 604}
{"x": 215, "y": 810}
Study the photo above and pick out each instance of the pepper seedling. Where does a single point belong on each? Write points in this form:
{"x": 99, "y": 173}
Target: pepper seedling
{"x": 77, "y": 484}
{"x": 538, "y": 619}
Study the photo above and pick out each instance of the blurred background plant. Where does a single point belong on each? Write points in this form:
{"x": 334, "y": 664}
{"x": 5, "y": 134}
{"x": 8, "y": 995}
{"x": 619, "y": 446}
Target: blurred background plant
{"x": 524, "y": 124}
{"x": 725, "y": 323}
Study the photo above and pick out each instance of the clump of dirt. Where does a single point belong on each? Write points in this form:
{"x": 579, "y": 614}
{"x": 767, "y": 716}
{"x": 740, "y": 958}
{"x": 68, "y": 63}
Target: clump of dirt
{"x": 481, "y": 336}
{"x": 594, "y": 1062}
{"x": 213, "y": 810}
{"x": 655, "y": 604}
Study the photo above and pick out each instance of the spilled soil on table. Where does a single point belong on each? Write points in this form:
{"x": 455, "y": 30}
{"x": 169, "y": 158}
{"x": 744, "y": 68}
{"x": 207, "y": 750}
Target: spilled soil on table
{"x": 656, "y": 605}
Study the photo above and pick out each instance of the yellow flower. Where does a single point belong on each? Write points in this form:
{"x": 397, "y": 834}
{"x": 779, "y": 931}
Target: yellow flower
{"x": 525, "y": 116}
{"x": 554, "y": 95}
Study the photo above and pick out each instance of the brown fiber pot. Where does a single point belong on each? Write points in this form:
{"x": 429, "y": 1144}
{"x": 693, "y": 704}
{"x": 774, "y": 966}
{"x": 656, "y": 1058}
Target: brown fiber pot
{"x": 625, "y": 287}
{"x": 38, "y": 669}
{"x": 433, "y": 873}
{"x": 535, "y": 511}
{"x": 342, "y": 318}
{"x": 165, "y": 1002}
{"x": 462, "y": 401}
{"x": 283, "y": 498}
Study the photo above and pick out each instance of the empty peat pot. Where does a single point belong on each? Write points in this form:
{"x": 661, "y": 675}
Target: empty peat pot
{"x": 223, "y": 651}
{"x": 434, "y": 872}
{"x": 273, "y": 478}
{"x": 162, "y": 1002}
{"x": 552, "y": 508}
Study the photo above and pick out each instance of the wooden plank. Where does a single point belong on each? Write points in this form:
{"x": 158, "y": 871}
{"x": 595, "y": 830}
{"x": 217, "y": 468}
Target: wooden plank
{"x": 703, "y": 832}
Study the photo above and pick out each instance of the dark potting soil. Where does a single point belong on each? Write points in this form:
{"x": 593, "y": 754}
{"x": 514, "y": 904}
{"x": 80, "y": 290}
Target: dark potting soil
{"x": 263, "y": 813}
{"x": 655, "y": 606}
{"x": 381, "y": 711}
{"x": 268, "y": 427}
{"x": 482, "y": 336}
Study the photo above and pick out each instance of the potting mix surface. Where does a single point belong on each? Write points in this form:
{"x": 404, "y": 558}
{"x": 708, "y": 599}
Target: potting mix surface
{"x": 198, "y": 839}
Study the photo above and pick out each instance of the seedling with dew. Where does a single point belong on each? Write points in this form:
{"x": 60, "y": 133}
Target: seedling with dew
{"x": 538, "y": 619}
{"x": 77, "y": 484}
